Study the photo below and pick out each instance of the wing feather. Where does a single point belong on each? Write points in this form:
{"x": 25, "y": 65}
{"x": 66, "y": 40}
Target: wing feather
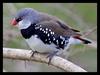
{"x": 57, "y": 29}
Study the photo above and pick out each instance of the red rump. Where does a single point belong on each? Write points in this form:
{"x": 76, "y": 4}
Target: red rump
{"x": 85, "y": 41}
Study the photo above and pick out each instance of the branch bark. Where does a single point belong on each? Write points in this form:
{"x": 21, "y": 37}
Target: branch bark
{"x": 56, "y": 61}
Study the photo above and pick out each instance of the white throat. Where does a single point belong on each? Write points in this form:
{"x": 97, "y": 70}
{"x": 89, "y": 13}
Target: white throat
{"x": 24, "y": 24}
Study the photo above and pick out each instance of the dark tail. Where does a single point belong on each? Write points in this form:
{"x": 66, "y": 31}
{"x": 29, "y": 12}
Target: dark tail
{"x": 85, "y": 41}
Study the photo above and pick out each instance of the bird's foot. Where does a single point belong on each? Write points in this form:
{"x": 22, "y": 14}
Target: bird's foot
{"x": 33, "y": 52}
{"x": 50, "y": 56}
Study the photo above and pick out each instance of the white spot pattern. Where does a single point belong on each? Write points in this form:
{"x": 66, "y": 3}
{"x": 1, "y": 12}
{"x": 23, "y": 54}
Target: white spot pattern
{"x": 49, "y": 29}
{"x": 53, "y": 33}
{"x": 61, "y": 42}
{"x": 62, "y": 38}
{"x": 57, "y": 42}
{"x": 46, "y": 29}
{"x": 40, "y": 29}
{"x": 48, "y": 35}
{"x": 53, "y": 38}
{"x": 46, "y": 32}
{"x": 37, "y": 27}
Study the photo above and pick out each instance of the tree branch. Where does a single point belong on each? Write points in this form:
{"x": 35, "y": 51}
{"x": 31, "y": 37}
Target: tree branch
{"x": 56, "y": 61}
{"x": 89, "y": 31}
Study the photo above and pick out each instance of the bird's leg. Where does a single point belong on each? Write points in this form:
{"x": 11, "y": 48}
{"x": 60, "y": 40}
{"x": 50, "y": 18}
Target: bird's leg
{"x": 50, "y": 56}
{"x": 33, "y": 52}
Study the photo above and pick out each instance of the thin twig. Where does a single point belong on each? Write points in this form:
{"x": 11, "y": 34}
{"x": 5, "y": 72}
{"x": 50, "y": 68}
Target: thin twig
{"x": 94, "y": 43}
{"x": 89, "y": 32}
{"x": 56, "y": 61}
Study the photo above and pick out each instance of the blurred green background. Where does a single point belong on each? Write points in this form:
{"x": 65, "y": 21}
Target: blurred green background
{"x": 81, "y": 16}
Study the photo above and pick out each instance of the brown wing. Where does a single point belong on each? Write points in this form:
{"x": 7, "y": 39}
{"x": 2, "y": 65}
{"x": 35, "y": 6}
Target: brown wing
{"x": 57, "y": 29}
{"x": 47, "y": 17}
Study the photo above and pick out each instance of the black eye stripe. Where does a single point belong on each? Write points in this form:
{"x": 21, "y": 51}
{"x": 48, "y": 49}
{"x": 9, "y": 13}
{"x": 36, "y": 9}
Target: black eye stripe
{"x": 19, "y": 19}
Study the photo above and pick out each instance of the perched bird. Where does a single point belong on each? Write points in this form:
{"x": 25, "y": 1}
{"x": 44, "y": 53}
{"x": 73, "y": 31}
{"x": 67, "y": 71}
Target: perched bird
{"x": 45, "y": 33}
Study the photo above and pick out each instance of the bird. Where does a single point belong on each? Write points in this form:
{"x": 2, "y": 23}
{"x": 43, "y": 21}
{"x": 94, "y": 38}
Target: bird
{"x": 46, "y": 33}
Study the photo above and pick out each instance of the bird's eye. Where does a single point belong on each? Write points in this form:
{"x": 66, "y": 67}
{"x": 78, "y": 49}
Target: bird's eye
{"x": 19, "y": 19}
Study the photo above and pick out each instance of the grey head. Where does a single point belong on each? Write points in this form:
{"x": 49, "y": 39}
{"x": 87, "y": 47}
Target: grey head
{"x": 26, "y": 16}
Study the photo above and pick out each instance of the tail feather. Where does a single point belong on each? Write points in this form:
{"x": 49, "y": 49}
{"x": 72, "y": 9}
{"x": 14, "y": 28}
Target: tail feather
{"x": 85, "y": 41}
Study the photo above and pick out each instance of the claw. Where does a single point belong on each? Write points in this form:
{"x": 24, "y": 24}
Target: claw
{"x": 50, "y": 56}
{"x": 33, "y": 52}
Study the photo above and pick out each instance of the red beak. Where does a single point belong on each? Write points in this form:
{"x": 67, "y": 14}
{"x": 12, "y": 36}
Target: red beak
{"x": 13, "y": 22}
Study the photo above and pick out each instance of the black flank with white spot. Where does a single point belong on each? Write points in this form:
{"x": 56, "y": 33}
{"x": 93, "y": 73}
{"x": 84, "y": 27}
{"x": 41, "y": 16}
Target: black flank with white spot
{"x": 45, "y": 34}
